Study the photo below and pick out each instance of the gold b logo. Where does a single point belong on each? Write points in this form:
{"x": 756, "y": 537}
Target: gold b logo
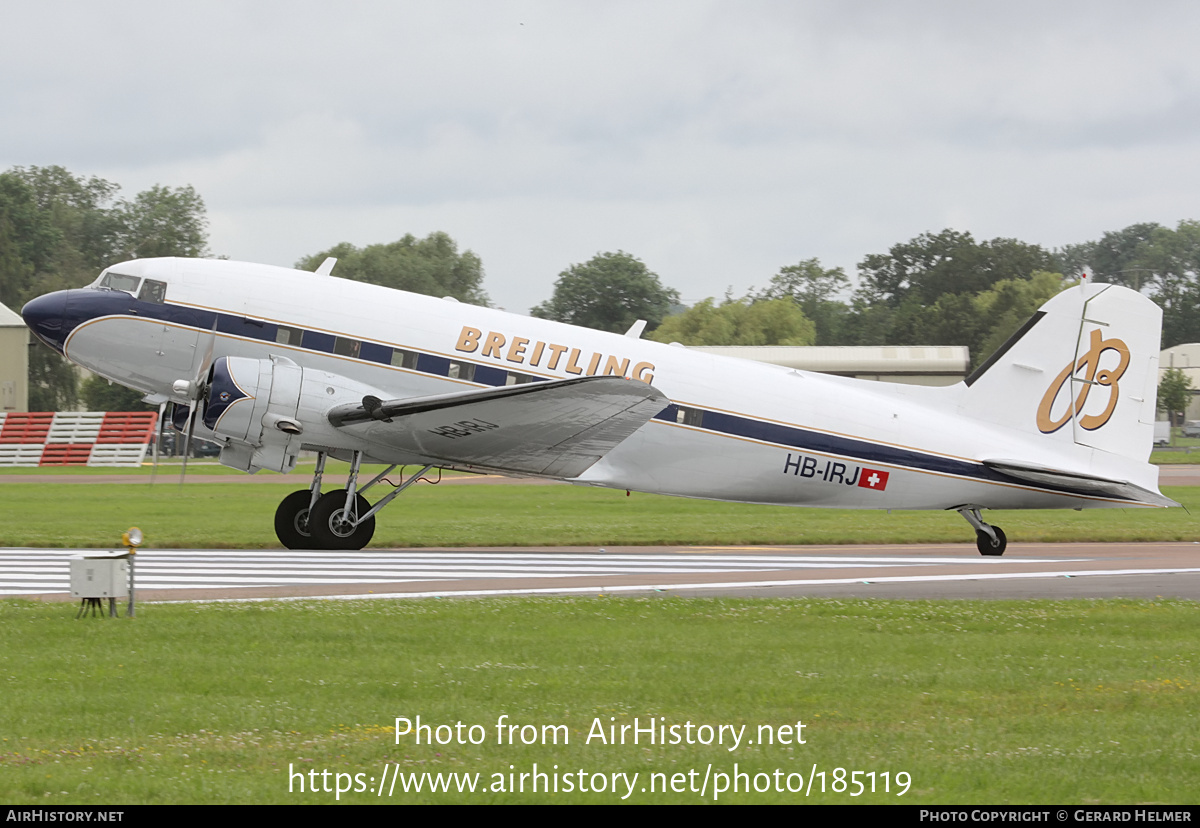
{"x": 1092, "y": 377}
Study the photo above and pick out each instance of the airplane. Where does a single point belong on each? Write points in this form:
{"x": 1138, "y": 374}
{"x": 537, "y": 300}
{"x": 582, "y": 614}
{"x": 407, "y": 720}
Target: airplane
{"x": 269, "y": 362}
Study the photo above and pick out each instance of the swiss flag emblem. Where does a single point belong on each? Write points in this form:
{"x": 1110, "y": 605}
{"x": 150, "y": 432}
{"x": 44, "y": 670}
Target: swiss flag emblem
{"x": 873, "y": 479}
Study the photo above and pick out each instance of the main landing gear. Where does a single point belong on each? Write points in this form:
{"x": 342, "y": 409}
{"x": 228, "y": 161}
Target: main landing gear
{"x": 989, "y": 539}
{"x": 342, "y": 519}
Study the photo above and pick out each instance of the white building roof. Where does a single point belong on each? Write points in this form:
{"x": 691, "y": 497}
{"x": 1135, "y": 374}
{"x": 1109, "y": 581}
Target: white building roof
{"x": 1180, "y": 356}
{"x": 9, "y": 318}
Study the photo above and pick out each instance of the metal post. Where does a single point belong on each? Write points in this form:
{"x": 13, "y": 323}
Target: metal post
{"x": 132, "y": 585}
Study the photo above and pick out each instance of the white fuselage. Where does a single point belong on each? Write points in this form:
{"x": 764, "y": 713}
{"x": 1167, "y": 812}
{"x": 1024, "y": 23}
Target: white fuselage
{"x": 738, "y": 430}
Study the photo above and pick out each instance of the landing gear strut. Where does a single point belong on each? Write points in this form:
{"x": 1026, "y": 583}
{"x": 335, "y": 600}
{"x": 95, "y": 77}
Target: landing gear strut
{"x": 342, "y": 519}
{"x": 990, "y": 540}
{"x": 291, "y": 518}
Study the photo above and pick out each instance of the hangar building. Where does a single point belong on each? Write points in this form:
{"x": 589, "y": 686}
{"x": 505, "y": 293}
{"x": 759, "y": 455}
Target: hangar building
{"x": 14, "y": 362}
{"x": 912, "y": 364}
{"x": 1186, "y": 358}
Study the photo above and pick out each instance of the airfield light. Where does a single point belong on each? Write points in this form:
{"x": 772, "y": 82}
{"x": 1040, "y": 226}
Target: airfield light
{"x": 132, "y": 539}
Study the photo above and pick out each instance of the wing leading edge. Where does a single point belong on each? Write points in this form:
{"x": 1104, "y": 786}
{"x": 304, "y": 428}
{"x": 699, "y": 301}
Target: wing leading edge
{"x": 551, "y": 429}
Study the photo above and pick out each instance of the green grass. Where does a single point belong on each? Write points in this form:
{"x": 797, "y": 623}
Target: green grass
{"x": 980, "y": 702}
{"x": 1188, "y": 456}
{"x": 225, "y": 515}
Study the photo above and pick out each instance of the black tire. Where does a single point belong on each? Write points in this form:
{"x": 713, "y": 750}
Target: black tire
{"x": 328, "y": 529}
{"x": 987, "y": 546}
{"x": 291, "y": 521}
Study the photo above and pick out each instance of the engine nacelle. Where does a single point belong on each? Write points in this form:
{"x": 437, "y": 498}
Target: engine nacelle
{"x": 269, "y": 408}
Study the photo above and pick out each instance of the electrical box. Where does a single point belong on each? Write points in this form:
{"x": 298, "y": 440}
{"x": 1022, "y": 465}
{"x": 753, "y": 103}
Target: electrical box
{"x": 100, "y": 577}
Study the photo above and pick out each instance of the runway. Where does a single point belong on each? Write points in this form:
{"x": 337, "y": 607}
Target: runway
{"x": 1063, "y": 570}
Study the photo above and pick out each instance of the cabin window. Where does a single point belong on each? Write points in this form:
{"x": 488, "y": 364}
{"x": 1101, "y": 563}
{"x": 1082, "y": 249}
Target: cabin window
{"x": 346, "y": 347}
{"x": 404, "y": 359}
{"x": 119, "y": 281}
{"x": 288, "y": 336}
{"x": 153, "y": 291}
{"x": 462, "y": 371}
{"x": 514, "y": 378}
{"x": 689, "y": 416}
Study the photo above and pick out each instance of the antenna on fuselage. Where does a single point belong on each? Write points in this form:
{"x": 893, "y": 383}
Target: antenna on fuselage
{"x": 326, "y": 267}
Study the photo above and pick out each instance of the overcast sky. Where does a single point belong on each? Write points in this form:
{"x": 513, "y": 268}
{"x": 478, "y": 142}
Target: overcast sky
{"x": 716, "y": 141}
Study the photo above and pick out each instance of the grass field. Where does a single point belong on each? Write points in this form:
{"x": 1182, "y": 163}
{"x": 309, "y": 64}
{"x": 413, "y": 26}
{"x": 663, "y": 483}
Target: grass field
{"x": 229, "y": 515}
{"x": 973, "y": 702}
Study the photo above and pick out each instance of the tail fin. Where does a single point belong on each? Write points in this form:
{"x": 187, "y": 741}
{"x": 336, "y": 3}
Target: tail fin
{"x": 1083, "y": 370}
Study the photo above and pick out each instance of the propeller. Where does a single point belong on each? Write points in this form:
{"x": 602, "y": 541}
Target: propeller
{"x": 158, "y": 435}
{"x": 195, "y": 391}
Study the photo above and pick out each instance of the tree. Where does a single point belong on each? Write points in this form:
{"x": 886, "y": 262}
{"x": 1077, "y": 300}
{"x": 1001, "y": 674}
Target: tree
{"x": 739, "y": 322}
{"x": 814, "y": 289}
{"x": 1172, "y": 262}
{"x": 949, "y": 262}
{"x": 80, "y": 211}
{"x": 1174, "y": 394}
{"x": 1007, "y": 305}
{"x": 27, "y": 238}
{"x": 101, "y": 395}
{"x": 953, "y": 319}
{"x": 1161, "y": 262}
{"x": 53, "y": 383}
{"x": 1117, "y": 258}
{"x": 163, "y": 222}
{"x": 431, "y": 266}
{"x": 609, "y": 292}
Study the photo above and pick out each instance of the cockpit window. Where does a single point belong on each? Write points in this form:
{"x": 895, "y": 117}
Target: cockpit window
{"x": 153, "y": 291}
{"x": 119, "y": 281}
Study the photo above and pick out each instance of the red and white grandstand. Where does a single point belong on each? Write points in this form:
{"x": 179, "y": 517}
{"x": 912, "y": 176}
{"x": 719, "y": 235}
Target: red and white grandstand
{"x": 76, "y": 438}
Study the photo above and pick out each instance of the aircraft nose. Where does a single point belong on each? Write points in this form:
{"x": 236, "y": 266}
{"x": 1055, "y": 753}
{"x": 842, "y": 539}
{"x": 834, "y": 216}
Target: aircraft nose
{"x": 46, "y": 316}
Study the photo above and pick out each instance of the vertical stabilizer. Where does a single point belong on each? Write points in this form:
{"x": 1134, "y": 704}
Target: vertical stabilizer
{"x": 1083, "y": 370}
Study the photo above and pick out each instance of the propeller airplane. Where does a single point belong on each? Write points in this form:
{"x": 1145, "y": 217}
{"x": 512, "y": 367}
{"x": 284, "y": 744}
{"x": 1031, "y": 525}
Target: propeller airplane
{"x": 269, "y": 362}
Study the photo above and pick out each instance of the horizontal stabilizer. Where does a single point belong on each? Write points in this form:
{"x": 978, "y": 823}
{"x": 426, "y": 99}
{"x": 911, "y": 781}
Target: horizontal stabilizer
{"x": 555, "y": 429}
{"x": 1089, "y": 484}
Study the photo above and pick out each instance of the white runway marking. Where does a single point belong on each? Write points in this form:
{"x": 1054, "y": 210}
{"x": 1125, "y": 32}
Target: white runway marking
{"x": 485, "y": 593}
{"x": 34, "y": 571}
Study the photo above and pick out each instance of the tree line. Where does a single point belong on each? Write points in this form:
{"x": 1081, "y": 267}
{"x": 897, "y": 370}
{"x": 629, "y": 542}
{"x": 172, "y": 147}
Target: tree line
{"x": 58, "y": 230}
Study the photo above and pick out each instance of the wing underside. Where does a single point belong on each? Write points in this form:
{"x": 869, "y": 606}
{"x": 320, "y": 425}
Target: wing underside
{"x": 550, "y": 429}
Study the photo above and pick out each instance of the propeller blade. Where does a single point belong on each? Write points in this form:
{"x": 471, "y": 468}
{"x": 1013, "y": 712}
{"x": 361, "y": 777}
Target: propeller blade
{"x": 207, "y": 361}
{"x": 187, "y": 439}
{"x": 197, "y": 396}
{"x": 158, "y": 435}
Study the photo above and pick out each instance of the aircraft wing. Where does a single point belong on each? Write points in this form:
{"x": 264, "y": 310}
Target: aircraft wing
{"x": 1075, "y": 481}
{"x": 552, "y": 429}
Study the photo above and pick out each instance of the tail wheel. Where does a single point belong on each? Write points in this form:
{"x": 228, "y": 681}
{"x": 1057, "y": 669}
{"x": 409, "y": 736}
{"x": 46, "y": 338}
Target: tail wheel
{"x": 291, "y": 521}
{"x": 988, "y": 546}
{"x": 332, "y": 528}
